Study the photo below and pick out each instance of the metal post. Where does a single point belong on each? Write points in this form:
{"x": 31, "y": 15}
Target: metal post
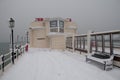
{"x": 96, "y": 44}
{"x": 80, "y": 44}
{"x": 27, "y": 37}
{"x": 12, "y": 46}
{"x": 111, "y": 44}
{"x": 88, "y": 41}
{"x": 77, "y": 41}
{"x": 103, "y": 44}
{"x": 3, "y": 63}
{"x": 73, "y": 41}
{"x": 91, "y": 45}
{"x": 83, "y": 43}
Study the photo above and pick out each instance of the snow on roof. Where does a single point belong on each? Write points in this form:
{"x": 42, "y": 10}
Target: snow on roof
{"x": 55, "y": 18}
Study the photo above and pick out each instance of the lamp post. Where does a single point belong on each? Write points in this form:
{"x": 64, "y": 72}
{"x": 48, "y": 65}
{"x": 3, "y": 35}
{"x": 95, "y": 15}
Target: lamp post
{"x": 12, "y": 23}
{"x": 27, "y": 37}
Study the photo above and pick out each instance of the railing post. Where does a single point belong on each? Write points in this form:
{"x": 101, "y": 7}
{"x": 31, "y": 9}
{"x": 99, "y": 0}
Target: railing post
{"x": 73, "y": 42}
{"x": 96, "y": 44}
{"x": 111, "y": 44}
{"x": 20, "y": 51}
{"x": 77, "y": 41}
{"x": 88, "y": 41}
{"x": 23, "y": 49}
{"x": 103, "y": 44}
{"x": 83, "y": 43}
{"x": 3, "y": 63}
{"x": 80, "y": 44}
{"x": 17, "y": 53}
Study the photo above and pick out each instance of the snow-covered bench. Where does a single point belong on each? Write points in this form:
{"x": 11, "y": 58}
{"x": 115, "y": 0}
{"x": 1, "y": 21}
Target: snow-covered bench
{"x": 107, "y": 63}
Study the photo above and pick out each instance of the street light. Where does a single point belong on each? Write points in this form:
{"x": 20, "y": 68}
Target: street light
{"x": 12, "y": 23}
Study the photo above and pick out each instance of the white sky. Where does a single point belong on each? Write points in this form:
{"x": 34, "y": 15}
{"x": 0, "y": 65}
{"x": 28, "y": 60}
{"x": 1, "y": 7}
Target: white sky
{"x": 97, "y": 15}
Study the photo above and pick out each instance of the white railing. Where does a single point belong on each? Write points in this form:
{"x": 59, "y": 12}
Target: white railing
{"x": 7, "y": 58}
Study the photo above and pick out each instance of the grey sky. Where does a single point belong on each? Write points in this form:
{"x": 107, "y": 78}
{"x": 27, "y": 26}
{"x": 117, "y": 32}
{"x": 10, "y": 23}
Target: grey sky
{"x": 97, "y": 15}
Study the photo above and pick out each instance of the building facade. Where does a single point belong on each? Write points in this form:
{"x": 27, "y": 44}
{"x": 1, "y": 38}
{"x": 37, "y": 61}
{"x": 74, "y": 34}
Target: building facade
{"x": 51, "y": 32}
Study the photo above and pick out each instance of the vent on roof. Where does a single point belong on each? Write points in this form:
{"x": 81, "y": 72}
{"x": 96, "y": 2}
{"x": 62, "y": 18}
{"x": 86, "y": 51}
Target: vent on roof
{"x": 69, "y": 19}
{"x": 38, "y": 19}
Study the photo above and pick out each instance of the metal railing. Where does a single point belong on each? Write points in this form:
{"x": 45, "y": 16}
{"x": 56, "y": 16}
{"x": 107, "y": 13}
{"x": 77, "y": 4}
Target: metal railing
{"x": 104, "y": 42}
{"x": 69, "y": 42}
{"x": 7, "y": 58}
{"x": 80, "y": 43}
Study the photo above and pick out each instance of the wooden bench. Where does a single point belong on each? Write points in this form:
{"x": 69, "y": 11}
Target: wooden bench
{"x": 107, "y": 63}
{"x": 116, "y": 60}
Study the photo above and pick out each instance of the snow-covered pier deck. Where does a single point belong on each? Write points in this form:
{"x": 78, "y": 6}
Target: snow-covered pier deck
{"x": 46, "y": 64}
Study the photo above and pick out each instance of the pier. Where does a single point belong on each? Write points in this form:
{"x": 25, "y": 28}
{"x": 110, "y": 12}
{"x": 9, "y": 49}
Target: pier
{"x": 51, "y": 64}
{"x": 47, "y": 64}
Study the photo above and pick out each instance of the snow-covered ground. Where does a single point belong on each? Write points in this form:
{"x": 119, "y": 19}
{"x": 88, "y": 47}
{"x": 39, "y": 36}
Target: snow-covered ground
{"x": 45, "y": 64}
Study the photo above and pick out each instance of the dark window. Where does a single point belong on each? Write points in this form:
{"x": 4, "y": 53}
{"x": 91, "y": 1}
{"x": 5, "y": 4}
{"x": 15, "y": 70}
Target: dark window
{"x": 61, "y": 24}
{"x": 56, "y": 26}
{"x": 53, "y": 23}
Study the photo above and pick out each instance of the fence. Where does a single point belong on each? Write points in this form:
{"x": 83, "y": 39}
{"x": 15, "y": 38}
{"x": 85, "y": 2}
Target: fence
{"x": 104, "y": 42}
{"x": 7, "y": 58}
{"x": 69, "y": 43}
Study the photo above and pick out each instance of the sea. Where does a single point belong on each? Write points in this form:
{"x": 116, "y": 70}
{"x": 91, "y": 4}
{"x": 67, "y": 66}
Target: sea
{"x": 4, "y": 47}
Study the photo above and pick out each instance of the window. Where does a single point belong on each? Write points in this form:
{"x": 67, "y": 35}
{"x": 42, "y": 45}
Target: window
{"x": 61, "y": 24}
{"x": 56, "y": 26}
{"x": 53, "y": 23}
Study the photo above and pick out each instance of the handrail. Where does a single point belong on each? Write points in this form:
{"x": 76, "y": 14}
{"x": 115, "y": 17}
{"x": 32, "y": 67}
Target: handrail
{"x": 3, "y": 58}
{"x": 106, "y": 32}
{"x": 7, "y": 54}
{"x": 92, "y": 40}
{"x": 8, "y": 59}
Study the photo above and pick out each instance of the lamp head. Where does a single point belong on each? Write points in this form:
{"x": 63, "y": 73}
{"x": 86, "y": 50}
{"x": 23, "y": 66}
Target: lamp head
{"x": 12, "y": 23}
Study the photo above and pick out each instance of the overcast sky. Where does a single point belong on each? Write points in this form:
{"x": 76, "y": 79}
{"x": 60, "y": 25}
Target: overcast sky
{"x": 96, "y": 15}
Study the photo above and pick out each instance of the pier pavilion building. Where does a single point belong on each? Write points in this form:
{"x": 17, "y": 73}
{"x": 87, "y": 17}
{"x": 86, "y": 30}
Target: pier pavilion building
{"x": 51, "y": 32}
